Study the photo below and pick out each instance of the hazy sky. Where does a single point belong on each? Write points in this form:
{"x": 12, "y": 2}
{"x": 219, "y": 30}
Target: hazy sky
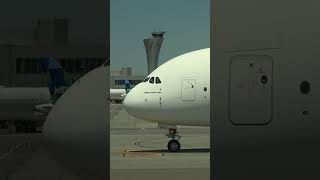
{"x": 88, "y": 19}
{"x": 186, "y": 23}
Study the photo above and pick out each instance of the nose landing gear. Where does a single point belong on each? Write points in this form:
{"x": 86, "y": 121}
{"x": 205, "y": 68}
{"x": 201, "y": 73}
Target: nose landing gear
{"x": 173, "y": 144}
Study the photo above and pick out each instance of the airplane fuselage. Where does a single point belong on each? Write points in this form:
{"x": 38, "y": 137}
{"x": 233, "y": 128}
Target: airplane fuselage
{"x": 179, "y": 93}
{"x": 19, "y": 103}
{"x": 117, "y": 94}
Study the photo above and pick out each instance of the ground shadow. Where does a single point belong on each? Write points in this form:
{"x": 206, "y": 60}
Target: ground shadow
{"x": 195, "y": 150}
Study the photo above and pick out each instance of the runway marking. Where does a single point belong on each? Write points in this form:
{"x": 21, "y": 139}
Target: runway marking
{"x": 11, "y": 150}
{"x": 139, "y": 144}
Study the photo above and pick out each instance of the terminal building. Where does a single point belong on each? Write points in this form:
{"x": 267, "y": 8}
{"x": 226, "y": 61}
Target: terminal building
{"x": 20, "y": 65}
{"x": 118, "y": 77}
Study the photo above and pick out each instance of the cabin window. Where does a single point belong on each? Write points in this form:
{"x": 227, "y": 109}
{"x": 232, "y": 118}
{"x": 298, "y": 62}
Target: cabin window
{"x": 158, "y": 80}
{"x": 146, "y": 79}
{"x": 151, "y": 80}
{"x": 205, "y": 89}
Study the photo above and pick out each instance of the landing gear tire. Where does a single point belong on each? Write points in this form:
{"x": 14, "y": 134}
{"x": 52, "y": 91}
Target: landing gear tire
{"x": 173, "y": 145}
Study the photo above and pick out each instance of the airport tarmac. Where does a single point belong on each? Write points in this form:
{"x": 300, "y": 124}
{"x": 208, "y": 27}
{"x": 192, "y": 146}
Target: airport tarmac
{"x": 23, "y": 157}
{"x": 138, "y": 150}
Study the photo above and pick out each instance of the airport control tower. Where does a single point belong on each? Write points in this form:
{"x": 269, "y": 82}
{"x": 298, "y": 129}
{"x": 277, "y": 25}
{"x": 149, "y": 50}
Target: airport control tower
{"x": 153, "y": 46}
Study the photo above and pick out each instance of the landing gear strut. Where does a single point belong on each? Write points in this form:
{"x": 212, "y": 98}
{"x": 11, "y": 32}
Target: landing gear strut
{"x": 173, "y": 144}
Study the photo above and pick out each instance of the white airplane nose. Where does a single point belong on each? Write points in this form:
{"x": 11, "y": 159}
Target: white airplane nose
{"x": 138, "y": 105}
{"x": 128, "y": 101}
{"x": 132, "y": 102}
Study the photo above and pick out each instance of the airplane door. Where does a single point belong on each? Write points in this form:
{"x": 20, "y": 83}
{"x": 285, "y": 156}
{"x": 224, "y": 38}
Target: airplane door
{"x": 188, "y": 89}
{"x": 250, "y": 90}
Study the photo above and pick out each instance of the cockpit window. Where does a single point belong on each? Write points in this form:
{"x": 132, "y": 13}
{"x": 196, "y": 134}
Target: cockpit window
{"x": 146, "y": 79}
{"x": 151, "y": 80}
{"x": 158, "y": 80}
